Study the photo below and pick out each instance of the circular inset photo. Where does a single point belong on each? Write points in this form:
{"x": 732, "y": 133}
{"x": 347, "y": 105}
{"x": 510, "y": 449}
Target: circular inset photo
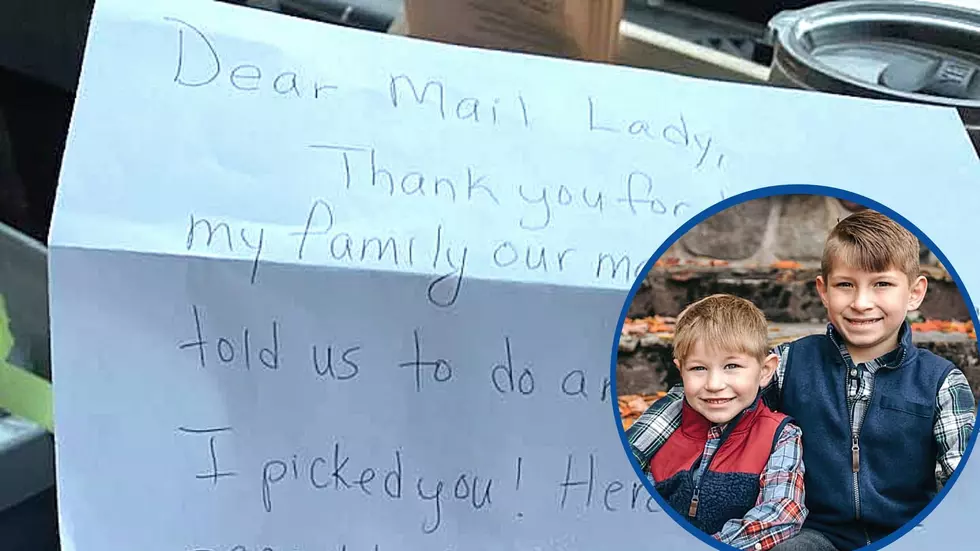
{"x": 798, "y": 373}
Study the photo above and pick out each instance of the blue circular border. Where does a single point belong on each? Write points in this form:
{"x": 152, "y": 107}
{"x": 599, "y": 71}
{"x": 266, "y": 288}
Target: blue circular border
{"x": 758, "y": 193}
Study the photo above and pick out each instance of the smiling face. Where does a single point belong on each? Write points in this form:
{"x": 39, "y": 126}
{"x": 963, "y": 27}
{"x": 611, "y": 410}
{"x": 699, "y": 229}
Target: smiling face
{"x": 719, "y": 384}
{"x": 870, "y": 279}
{"x": 868, "y": 308}
{"x": 721, "y": 348}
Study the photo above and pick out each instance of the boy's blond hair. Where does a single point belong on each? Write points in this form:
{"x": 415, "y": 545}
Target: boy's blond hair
{"x": 871, "y": 242}
{"x": 722, "y": 322}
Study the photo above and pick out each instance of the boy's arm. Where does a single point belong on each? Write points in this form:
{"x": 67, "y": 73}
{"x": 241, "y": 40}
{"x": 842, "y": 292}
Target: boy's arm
{"x": 649, "y": 432}
{"x": 779, "y": 511}
{"x": 955, "y": 411}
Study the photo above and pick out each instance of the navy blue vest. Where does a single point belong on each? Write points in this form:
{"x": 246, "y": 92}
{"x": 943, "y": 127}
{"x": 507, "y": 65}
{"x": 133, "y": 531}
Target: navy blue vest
{"x": 896, "y": 452}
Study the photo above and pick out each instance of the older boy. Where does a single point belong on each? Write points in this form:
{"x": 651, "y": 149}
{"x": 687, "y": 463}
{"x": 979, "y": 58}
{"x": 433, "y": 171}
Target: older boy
{"x": 884, "y": 422}
{"x": 733, "y": 468}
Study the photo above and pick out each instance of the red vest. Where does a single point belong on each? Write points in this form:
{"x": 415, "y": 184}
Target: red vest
{"x": 730, "y": 485}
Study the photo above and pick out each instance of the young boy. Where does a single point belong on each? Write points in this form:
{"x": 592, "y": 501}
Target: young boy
{"x": 732, "y": 467}
{"x": 884, "y": 423}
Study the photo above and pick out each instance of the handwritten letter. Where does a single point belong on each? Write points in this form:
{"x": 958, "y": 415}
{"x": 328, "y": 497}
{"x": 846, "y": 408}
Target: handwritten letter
{"x": 318, "y": 289}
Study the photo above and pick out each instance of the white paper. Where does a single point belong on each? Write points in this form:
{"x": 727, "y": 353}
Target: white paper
{"x": 155, "y": 146}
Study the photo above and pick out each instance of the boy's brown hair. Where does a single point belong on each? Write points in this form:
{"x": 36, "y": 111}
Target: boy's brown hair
{"x": 724, "y": 322}
{"x": 871, "y": 242}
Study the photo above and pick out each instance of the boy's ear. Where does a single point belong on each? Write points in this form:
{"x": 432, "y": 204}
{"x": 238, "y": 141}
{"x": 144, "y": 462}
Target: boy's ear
{"x": 917, "y": 292}
{"x": 769, "y": 369}
{"x": 677, "y": 364}
{"x": 822, "y": 290}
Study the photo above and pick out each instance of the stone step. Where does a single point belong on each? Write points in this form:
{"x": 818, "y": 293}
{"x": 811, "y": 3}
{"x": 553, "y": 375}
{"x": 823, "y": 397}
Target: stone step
{"x": 645, "y": 360}
{"x": 786, "y": 295}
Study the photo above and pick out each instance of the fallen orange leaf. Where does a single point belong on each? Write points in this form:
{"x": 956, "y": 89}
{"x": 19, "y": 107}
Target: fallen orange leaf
{"x": 639, "y": 405}
{"x": 945, "y": 326}
{"x": 635, "y": 328}
{"x": 786, "y": 265}
{"x": 929, "y": 325}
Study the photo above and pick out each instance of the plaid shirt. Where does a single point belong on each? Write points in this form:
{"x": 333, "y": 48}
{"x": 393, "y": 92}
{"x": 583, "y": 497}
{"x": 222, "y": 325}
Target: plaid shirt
{"x": 955, "y": 409}
{"x": 779, "y": 510}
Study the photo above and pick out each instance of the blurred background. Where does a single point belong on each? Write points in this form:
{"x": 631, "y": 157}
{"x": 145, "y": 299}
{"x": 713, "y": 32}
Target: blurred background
{"x": 767, "y": 251}
{"x": 905, "y": 50}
